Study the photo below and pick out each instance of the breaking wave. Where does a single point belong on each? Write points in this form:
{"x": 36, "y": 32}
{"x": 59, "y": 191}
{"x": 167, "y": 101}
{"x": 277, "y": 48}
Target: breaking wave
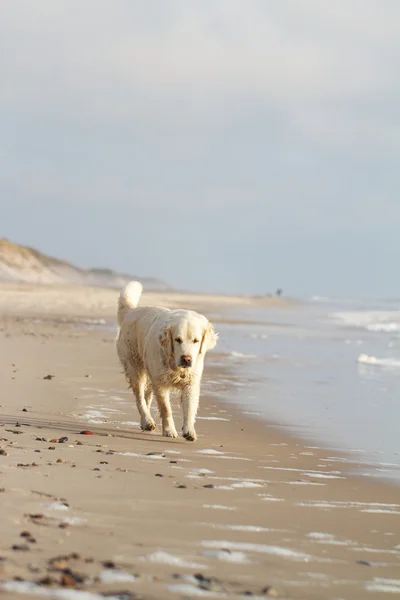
{"x": 365, "y": 359}
{"x": 377, "y": 321}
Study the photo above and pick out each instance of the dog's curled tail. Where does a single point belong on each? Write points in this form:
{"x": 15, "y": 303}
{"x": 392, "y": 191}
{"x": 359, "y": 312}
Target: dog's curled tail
{"x": 128, "y": 298}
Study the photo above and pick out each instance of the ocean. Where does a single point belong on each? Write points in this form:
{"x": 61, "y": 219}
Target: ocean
{"x": 325, "y": 370}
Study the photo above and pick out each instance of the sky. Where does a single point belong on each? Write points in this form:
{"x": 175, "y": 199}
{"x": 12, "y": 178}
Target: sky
{"x": 220, "y": 145}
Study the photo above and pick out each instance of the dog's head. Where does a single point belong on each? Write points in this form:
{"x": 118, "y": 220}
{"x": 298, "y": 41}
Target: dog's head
{"x": 186, "y": 339}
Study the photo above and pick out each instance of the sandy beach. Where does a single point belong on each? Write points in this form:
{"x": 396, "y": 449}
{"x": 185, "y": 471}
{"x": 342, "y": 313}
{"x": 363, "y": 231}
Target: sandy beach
{"x": 246, "y": 511}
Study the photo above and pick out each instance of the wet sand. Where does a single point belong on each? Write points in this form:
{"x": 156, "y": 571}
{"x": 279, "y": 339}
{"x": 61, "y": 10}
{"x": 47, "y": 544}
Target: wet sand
{"x": 244, "y": 511}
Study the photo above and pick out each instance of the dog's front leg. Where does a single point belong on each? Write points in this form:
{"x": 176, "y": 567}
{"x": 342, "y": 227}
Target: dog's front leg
{"x": 190, "y": 403}
{"x": 164, "y": 406}
{"x": 139, "y": 390}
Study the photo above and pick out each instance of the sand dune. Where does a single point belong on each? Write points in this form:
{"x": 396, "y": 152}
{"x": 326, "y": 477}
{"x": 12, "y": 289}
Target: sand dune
{"x": 22, "y": 264}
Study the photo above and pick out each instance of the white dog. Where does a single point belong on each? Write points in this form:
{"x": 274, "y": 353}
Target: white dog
{"x": 161, "y": 349}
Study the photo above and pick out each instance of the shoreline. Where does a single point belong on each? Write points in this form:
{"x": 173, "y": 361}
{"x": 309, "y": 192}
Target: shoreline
{"x": 36, "y": 302}
{"x": 38, "y": 307}
{"x": 258, "y": 509}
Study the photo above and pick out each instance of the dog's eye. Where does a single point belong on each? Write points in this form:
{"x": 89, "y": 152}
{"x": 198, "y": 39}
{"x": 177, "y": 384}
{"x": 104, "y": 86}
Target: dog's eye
{"x": 195, "y": 341}
{"x": 179, "y": 340}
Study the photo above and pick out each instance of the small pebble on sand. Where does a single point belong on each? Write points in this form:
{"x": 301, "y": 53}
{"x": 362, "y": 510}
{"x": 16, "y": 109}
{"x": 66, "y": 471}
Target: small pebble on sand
{"x": 270, "y": 591}
{"x": 20, "y": 547}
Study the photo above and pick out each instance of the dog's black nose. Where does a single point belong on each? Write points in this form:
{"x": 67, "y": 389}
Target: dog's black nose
{"x": 186, "y": 361}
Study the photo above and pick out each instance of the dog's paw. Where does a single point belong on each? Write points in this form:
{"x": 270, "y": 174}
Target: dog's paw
{"x": 190, "y": 436}
{"x": 170, "y": 432}
{"x": 147, "y": 425}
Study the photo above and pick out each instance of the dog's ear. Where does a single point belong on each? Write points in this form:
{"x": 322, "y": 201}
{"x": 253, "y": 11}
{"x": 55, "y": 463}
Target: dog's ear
{"x": 167, "y": 344}
{"x": 209, "y": 339}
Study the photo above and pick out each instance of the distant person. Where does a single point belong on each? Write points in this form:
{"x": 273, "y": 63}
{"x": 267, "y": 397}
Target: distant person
{"x": 279, "y": 292}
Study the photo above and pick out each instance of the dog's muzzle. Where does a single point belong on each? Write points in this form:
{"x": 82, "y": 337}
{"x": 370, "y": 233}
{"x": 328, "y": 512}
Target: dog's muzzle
{"x": 186, "y": 361}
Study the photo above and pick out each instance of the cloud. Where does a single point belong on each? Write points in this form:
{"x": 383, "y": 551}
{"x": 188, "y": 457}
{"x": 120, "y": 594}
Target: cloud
{"x": 205, "y": 63}
{"x": 270, "y": 124}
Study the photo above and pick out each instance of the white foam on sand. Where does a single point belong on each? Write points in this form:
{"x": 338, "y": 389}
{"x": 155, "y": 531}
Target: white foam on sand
{"x": 235, "y": 457}
{"x": 323, "y": 476}
{"x": 74, "y": 520}
{"x": 383, "y": 511}
{"x": 188, "y": 590}
{"x": 219, "y": 454}
{"x": 362, "y": 506}
{"x": 118, "y": 399}
{"x": 258, "y": 548}
{"x": 303, "y": 483}
{"x": 97, "y": 415}
{"x": 55, "y": 506}
{"x": 374, "y": 550}
{"x": 247, "y": 528}
{"x": 134, "y": 454}
{"x": 308, "y": 472}
{"x": 94, "y": 417}
{"x": 116, "y": 576}
{"x": 381, "y": 584}
{"x": 197, "y": 473}
{"x": 94, "y": 413}
{"x": 280, "y": 444}
{"x": 219, "y": 507}
{"x": 318, "y": 535}
{"x": 239, "y": 479}
{"x": 246, "y": 484}
{"x": 328, "y": 538}
{"x": 28, "y": 587}
{"x": 324, "y": 505}
{"x": 269, "y": 498}
{"x": 148, "y": 456}
{"x": 105, "y": 409}
{"x": 241, "y": 484}
{"x": 166, "y": 558}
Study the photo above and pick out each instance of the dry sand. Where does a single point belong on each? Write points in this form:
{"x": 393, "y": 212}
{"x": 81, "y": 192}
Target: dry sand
{"x": 244, "y": 511}
{"x": 68, "y": 301}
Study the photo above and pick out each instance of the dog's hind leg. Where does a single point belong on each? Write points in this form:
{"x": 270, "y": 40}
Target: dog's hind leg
{"x": 148, "y": 393}
{"x": 138, "y": 385}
